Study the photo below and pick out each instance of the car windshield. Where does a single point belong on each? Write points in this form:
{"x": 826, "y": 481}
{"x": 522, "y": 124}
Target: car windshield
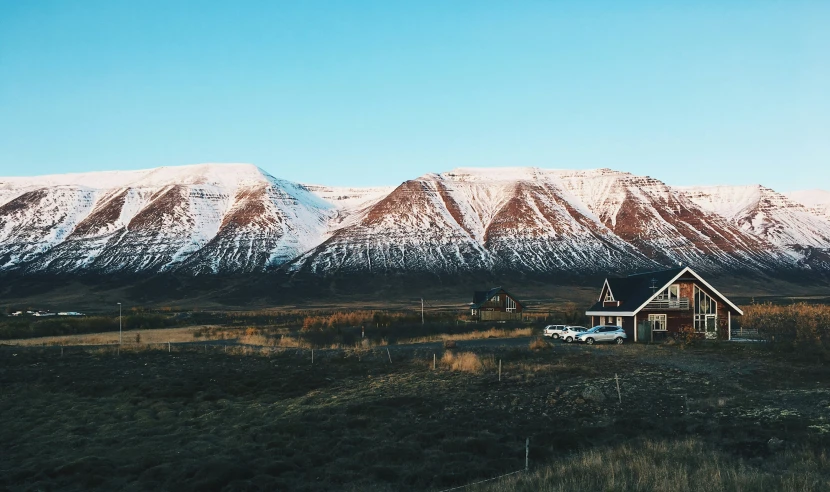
{"x": 596, "y": 328}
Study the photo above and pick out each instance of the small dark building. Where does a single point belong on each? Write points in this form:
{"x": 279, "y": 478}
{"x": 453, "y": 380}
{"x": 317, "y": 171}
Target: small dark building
{"x": 495, "y": 305}
{"x": 651, "y": 306}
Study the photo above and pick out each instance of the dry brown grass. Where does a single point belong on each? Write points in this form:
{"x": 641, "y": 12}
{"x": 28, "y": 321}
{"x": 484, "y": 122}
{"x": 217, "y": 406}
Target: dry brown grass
{"x": 655, "y": 465}
{"x": 474, "y": 335}
{"x": 467, "y": 362}
{"x": 539, "y": 343}
{"x": 174, "y": 335}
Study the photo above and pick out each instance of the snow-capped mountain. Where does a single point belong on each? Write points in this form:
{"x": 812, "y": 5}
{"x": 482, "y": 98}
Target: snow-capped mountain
{"x": 816, "y": 201}
{"x": 203, "y": 218}
{"x": 765, "y": 213}
{"x": 224, "y": 218}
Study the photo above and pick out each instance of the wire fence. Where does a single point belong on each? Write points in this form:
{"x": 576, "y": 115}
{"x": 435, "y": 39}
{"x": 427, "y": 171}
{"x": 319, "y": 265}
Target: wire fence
{"x": 527, "y": 468}
{"x": 746, "y": 334}
{"x": 483, "y": 481}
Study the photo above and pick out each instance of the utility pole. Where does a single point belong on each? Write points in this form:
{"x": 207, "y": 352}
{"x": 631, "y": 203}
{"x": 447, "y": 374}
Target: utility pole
{"x": 120, "y": 339}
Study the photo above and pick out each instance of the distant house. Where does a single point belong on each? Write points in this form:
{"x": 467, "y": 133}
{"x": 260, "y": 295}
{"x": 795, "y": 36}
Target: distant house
{"x": 651, "y": 306}
{"x": 495, "y": 305}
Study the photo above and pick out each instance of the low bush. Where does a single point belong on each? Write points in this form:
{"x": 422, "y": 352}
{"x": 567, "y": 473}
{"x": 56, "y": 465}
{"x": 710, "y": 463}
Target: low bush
{"x": 539, "y": 344}
{"x": 802, "y": 327}
{"x": 466, "y": 362}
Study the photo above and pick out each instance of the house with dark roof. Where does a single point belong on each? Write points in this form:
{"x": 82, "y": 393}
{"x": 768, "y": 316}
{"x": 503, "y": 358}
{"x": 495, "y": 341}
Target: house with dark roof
{"x": 495, "y": 304}
{"x": 651, "y": 306}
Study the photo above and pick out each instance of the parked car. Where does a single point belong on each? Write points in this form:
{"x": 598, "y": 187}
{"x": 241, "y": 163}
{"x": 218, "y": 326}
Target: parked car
{"x": 602, "y": 333}
{"x": 571, "y": 332}
{"x": 553, "y": 331}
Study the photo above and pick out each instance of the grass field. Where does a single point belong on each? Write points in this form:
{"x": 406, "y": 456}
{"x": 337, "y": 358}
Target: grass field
{"x": 267, "y": 337}
{"x": 690, "y": 418}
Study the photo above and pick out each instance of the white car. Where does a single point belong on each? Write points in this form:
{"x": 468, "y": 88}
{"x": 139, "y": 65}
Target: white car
{"x": 570, "y": 332}
{"x": 554, "y": 331}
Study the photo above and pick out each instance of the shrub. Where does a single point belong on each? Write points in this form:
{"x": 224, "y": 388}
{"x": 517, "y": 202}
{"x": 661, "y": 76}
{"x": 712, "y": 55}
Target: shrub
{"x": 539, "y": 344}
{"x": 803, "y": 327}
{"x": 687, "y": 335}
{"x": 465, "y": 362}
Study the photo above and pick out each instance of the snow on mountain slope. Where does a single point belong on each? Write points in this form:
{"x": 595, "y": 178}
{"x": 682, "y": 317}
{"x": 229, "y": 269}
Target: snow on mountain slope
{"x": 213, "y": 218}
{"x": 408, "y": 230}
{"x": 349, "y": 203}
{"x": 526, "y": 218}
{"x": 34, "y": 220}
{"x": 536, "y": 220}
{"x": 764, "y": 213}
{"x": 229, "y": 217}
{"x": 663, "y": 223}
{"x": 816, "y": 201}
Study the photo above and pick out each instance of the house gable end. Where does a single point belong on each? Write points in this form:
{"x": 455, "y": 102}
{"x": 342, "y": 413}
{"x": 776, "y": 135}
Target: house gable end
{"x": 698, "y": 278}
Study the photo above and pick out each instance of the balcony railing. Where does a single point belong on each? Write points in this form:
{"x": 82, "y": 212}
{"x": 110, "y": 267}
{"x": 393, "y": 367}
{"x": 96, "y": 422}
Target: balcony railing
{"x": 680, "y": 304}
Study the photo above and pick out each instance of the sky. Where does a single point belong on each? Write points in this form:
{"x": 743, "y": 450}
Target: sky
{"x": 378, "y": 92}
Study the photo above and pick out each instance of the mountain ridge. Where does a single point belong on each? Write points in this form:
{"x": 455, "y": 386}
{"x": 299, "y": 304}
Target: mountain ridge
{"x": 237, "y": 218}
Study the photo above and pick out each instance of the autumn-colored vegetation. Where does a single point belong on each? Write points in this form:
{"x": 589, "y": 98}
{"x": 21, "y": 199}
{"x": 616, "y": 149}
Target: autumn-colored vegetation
{"x": 801, "y": 326}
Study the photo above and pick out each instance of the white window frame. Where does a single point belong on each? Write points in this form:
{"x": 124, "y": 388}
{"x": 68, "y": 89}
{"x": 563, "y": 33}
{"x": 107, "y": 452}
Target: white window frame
{"x": 509, "y": 304}
{"x": 662, "y": 318}
{"x": 701, "y": 317}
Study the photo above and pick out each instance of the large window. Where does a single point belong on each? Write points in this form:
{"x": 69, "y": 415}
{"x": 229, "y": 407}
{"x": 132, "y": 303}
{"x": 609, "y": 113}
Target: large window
{"x": 510, "y": 304}
{"x": 706, "y": 311}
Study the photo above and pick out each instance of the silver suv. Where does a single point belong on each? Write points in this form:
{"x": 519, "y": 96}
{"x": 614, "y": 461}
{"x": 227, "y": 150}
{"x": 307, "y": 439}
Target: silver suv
{"x": 603, "y": 333}
{"x": 553, "y": 331}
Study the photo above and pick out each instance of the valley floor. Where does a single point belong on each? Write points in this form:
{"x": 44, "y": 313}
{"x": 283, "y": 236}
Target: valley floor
{"x": 201, "y": 418}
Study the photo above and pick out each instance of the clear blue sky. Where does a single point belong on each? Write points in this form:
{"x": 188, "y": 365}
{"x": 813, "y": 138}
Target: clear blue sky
{"x": 348, "y": 93}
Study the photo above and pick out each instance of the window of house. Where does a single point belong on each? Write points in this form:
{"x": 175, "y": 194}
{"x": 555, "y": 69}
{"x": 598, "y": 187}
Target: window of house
{"x": 671, "y": 293}
{"x": 510, "y": 304}
{"x": 706, "y": 311}
{"x": 657, "y": 321}
{"x": 609, "y": 297}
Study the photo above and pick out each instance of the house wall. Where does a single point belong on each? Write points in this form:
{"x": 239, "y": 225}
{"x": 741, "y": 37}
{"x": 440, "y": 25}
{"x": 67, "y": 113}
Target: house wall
{"x": 677, "y": 321}
{"x": 501, "y": 304}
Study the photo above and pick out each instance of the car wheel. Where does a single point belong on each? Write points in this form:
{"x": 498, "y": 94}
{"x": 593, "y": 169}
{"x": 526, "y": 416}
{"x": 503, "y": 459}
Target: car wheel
{"x": 555, "y": 336}
{"x": 619, "y": 340}
{"x": 589, "y": 341}
{"x": 569, "y": 339}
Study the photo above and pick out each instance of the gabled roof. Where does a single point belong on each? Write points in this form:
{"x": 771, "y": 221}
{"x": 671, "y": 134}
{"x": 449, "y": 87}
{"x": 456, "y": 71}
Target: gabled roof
{"x": 482, "y": 296}
{"x": 635, "y": 291}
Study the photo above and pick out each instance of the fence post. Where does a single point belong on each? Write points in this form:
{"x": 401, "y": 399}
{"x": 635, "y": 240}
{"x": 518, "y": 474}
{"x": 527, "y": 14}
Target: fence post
{"x": 312, "y": 356}
{"x": 527, "y": 454}
{"x": 619, "y": 395}
{"x": 434, "y": 361}
{"x": 168, "y": 347}
{"x": 61, "y": 351}
{"x": 390, "y": 355}
{"x": 499, "y": 370}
